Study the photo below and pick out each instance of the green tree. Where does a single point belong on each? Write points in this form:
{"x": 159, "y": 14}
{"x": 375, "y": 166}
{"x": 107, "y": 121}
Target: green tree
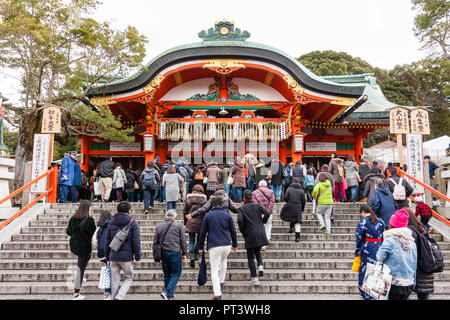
{"x": 61, "y": 53}
{"x": 432, "y": 26}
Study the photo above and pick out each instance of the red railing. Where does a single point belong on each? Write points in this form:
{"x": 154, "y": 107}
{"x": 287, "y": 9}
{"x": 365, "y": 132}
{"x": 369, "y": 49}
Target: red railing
{"x": 435, "y": 214}
{"x": 51, "y": 192}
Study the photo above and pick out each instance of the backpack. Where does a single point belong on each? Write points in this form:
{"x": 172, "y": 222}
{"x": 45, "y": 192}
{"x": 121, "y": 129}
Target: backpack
{"x": 199, "y": 175}
{"x": 183, "y": 172}
{"x": 399, "y": 190}
{"x": 149, "y": 180}
{"x": 429, "y": 255}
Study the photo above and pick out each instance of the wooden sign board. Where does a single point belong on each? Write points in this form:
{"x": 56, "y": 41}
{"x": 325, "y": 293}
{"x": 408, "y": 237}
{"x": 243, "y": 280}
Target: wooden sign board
{"x": 420, "y": 123}
{"x": 51, "y": 120}
{"x": 399, "y": 122}
{"x": 414, "y": 145}
{"x": 40, "y": 161}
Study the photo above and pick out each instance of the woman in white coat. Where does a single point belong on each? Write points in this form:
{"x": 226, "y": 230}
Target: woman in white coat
{"x": 351, "y": 176}
{"x": 172, "y": 181}
{"x": 119, "y": 180}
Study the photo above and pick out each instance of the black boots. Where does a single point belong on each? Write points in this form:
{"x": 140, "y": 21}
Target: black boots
{"x": 297, "y": 237}
{"x": 192, "y": 264}
{"x": 291, "y": 228}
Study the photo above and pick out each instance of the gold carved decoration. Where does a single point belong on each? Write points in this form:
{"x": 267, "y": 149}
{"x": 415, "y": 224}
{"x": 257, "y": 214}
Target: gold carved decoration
{"x": 224, "y": 66}
{"x": 153, "y": 84}
{"x": 293, "y": 85}
{"x": 103, "y": 101}
{"x": 343, "y": 101}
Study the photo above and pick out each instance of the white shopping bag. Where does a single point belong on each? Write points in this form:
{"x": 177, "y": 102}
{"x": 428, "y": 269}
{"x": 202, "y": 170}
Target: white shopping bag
{"x": 377, "y": 281}
{"x": 105, "y": 278}
{"x": 97, "y": 191}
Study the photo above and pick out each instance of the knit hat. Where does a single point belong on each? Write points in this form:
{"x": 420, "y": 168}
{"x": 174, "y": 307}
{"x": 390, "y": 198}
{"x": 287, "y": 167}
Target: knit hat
{"x": 399, "y": 219}
{"x": 418, "y": 198}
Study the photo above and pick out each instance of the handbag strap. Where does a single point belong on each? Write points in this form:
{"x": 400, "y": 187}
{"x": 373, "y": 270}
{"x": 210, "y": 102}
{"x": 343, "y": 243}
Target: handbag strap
{"x": 164, "y": 235}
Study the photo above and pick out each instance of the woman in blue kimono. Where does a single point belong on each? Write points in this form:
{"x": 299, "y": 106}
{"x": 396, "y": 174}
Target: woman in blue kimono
{"x": 369, "y": 234}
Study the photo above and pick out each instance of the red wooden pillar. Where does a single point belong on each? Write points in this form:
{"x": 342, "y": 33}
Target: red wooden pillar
{"x": 85, "y": 149}
{"x": 358, "y": 144}
{"x": 162, "y": 150}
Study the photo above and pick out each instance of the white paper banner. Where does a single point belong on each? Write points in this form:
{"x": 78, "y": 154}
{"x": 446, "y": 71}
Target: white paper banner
{"x": 39, "y": 164}
{"x": 415, "y": 160}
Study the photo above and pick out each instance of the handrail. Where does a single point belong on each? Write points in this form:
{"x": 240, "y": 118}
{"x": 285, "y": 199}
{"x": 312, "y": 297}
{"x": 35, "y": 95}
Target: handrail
{"x": 441, "y": 195}
{"x": 26, "y": 186}
{"x": 51, "y": 192}
{"x": 32, "y": 203}
{"x": 435, "y": 214}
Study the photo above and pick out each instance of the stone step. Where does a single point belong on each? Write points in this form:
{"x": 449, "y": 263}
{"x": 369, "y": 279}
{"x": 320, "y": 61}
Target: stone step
{"x": 149, "y": 237}
{"x": 150, "y": 230}
{"x": 280, "y": 254}
{"x": 155, "y": 287}
{"x": 160, "y": 217}
{"x": 191, "y": 274}
{"x": 147, "y": 245}
{"x": 154, "y": 223}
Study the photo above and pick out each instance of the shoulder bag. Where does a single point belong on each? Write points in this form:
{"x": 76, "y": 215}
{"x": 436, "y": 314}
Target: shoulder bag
{"x": 120, "y": 237}
{"x": 157, "y": 248}
{"x": 202, "y": 274}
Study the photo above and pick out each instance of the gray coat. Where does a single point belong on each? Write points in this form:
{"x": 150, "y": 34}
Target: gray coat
{"x": 351, "y": 169}
{"x": 171, "y": 181}
{"x": 175, "y": 239}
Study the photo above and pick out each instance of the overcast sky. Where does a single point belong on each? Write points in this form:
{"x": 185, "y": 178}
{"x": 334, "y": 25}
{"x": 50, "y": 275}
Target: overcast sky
{"x": 378, "y": 31}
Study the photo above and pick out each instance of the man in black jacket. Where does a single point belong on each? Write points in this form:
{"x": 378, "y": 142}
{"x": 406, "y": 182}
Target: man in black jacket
{"x": 251, "y": 219}
{"x": 105, "y": 171}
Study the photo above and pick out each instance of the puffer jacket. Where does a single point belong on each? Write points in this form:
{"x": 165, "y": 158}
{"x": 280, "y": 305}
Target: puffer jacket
{"x": 81, "y": 232}
{"x": 131, "y": 248}
{"x": 424, "y": 281}
{"x": 324, "y": 190}
{"x": 228, "y": 205}
{"x": 265, "y": 197}
{"x": 369, "y": 182}
{"x": 295, "y": 204}
{"x": 101, "y": 238}
{"x": 399, "y": 253}
{"x": 408, "y": 190}
{"x": 194, "y": 201}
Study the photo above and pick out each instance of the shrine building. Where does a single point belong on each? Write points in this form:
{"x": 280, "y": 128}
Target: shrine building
{"x": 225, "y": 96}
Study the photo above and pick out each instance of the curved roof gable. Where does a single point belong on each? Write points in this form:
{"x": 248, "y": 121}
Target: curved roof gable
{"x": 226, "y": 42}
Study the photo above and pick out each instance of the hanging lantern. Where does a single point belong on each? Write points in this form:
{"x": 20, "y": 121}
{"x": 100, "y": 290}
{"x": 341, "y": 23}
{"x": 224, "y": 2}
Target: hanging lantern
{"x": 162, "y": 131}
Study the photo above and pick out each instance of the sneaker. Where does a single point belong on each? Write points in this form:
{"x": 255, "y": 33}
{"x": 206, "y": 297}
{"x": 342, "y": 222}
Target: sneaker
{"x": 255, "y": 282}
{"x": 164, "y": 296}
{"x": 263, "y": 248}
{"x": 322, "y": 227}
{"x": 107, "y": 298}
{"x": 327, "y": 232}
{"x": 78, "y": 297}
{"x": 216, "y": 298}
{"x": 192, "y": 264}
{"x": 146, "y": 212}
{"x": 261, "y": 271}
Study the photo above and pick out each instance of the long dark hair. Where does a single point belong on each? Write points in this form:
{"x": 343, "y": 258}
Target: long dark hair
{"x": 372, "y": 216}
{"x": 83, "y": 210}
{"x": 104, "y": 215}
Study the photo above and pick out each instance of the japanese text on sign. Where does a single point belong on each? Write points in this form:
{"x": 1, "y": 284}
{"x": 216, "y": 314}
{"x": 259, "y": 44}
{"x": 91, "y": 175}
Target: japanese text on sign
{"x": 399, "y": 122}
{"x": 51, "y": 120}
{"x": 39, "y": 164}
{"x": 420, "y": 123}
{"x": 415, "y": 160}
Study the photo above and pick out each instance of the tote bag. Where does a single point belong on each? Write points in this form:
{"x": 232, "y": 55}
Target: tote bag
{"x": 202, "y": 276}
{"x": 97, "y": 191}
{"x": 105, "y": 278}
{"x": 377, "y": 281}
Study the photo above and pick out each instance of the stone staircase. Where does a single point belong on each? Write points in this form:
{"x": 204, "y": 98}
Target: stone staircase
{"x": 37, "y": 263}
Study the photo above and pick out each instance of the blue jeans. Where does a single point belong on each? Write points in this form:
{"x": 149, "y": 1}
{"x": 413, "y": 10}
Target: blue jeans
{"x": 157, "y": 191}
{"x": 171, "y": 265}
{"x": 193, "y": 245}
{"x": 276, "y": 190}
{"x": 74, "y": 193}
{"x": 171, "y": 205}
{"x": 130, "y": 196}
{"x": 227, "y": 188}
{"x": 353, "y": 192}
{"x": 250, "y": 182}
{"x": 63, "y": 193}
{"x": 148, "y": 197}
{"x": 163, "y": 189}
{"x": 237, "y": 194}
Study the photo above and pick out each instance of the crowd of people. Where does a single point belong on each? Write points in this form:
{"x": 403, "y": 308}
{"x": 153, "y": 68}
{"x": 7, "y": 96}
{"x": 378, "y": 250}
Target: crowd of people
{"x": 209, "y": 194}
